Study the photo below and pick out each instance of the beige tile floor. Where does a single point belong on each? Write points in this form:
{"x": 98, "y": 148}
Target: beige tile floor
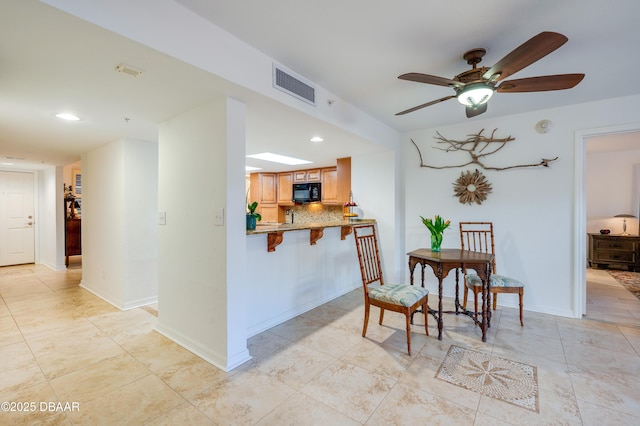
{"x": 608, "y": 301}
{"x": 61, "y": 344}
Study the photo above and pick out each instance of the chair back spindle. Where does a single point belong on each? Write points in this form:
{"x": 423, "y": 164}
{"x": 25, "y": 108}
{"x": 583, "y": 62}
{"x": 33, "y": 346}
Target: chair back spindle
{"x": 478, "y": 236}
{"x": 368, "y": 255}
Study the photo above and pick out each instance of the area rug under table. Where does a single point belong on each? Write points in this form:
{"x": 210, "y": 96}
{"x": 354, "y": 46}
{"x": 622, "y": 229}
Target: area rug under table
{"x": 492, "y": 376}
{"x": 629, "y": 280}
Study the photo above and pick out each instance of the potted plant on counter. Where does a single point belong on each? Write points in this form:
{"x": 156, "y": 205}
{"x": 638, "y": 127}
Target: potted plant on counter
{"x": 252, "y": 216}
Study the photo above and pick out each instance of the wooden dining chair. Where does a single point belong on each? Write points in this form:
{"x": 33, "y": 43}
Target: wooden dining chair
{"x": 478, "y": 236}
{"x": 402, "y": 298}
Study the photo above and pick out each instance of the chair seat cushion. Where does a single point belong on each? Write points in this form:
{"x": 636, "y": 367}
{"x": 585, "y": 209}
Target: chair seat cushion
{"x": 496, "y": 281}
{"x": 398, "y": 294}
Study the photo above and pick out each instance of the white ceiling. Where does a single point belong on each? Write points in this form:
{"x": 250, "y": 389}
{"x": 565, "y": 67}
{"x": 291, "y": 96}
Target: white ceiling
{"x": 50, "y": 61}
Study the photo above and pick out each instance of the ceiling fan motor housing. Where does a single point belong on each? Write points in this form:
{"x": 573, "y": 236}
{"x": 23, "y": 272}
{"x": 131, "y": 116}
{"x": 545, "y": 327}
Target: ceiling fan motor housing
{"x": 470, "y": 76}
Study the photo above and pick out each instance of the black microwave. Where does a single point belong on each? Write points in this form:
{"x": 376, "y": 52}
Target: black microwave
{"x": 306, "y": 192}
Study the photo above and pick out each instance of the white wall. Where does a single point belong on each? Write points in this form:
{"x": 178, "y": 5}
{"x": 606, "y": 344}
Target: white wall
{"x": 103, "y": 222}
{"x": 609, "y": 181}
{"x": 119, "y": 214}
{"x": 374, "y": 186}
{"x": 140, "y": 210}
{"x": 198, "y": 307}
{"x": 533, "y": 209}
{"x": 297, "y": 276}
{"x": 50, "y": 218}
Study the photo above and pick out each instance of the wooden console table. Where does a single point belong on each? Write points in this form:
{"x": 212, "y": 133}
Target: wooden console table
{"x": 443, "y": 262}
{"x": 607, "y": 249}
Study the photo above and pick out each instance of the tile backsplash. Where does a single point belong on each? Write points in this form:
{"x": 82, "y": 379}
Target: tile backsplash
{"x": 314, "y": 212}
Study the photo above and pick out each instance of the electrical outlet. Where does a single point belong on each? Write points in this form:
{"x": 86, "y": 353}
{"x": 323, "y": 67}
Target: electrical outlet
{"x": 162, "y": 218}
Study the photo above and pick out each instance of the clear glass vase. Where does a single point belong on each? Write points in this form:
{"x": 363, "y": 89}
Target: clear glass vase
{"x": 436, "y": 242}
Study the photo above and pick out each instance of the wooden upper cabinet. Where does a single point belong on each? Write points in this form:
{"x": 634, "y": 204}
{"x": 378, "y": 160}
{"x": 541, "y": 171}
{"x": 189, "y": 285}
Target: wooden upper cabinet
{"x": 330, "y": 186}
{"x": 271, "y": 190}
{"x": 285, "y": 189}
{"x": 314, "y": 175}
{"x": 302, "y": 176}
{"x": 344, "y": 179}
{"x": 264, "y": 188}
{"x": 269, "y": 187}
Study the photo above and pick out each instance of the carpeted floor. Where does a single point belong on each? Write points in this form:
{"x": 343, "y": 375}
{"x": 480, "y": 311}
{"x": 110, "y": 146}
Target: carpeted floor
{"x": 492, "y": 376}
{"x": 630, "y": 280}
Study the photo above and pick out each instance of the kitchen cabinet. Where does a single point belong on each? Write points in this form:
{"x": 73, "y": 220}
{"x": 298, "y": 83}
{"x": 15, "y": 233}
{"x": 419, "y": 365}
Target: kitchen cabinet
{"x": 285, "y": 189}
{"x": 269, "y": 213}
{"x": 343, "y": 179}
{"x": 264, "y": 190}
{"x": 302, "y": 176}
{"x": 330, "y": 185}
{"x": 606, "y": 249}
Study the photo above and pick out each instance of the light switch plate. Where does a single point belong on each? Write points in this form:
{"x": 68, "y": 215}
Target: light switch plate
{"x": 218, "y": 216}
{"x": 162, "y": 218}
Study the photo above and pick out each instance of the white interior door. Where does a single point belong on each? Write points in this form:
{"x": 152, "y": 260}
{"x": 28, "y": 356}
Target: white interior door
{"x": 17, "y": 237}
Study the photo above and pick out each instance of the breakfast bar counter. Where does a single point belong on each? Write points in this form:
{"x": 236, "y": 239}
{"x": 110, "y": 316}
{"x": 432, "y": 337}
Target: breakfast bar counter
{"x": 275, "y": 232}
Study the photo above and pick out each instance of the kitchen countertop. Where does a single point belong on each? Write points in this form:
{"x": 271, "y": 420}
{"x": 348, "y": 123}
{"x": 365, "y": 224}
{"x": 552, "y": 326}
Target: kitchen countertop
{"x": 275, "y": 232}
{"x": 267, "y": 228}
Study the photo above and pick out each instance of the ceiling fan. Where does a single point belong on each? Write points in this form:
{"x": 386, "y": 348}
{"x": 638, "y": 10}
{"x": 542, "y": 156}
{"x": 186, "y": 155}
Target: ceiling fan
{"x": 474, "y": 87}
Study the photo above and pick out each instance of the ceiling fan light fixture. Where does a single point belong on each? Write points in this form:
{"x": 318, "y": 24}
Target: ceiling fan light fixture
{"x": 475, "y": 94}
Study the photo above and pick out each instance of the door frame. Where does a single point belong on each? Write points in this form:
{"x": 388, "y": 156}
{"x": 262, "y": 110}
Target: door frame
{"x": 36, "y": 208}
{"x": 580, "y": 211}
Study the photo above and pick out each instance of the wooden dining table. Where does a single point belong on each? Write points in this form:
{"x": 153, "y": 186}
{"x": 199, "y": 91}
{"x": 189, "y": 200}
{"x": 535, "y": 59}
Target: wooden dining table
{"x": 442, "y": 263}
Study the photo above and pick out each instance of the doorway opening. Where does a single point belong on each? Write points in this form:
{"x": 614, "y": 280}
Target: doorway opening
{"x": 583, "y": 224}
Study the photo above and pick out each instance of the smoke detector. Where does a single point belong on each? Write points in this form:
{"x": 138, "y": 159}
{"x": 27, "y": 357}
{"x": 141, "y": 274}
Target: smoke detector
{"x": 544, "y": 126}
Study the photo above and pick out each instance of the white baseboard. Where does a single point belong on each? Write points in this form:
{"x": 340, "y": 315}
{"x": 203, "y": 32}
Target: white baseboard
{"x": 221, "y": 361}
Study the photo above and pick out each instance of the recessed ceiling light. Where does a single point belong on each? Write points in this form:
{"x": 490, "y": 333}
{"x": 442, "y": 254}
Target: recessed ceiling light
{"x": 6, "y": 164}
{"x": 276, "y": 158}
{"x": 251, "y": 168}
{"x": 67, "y": 116}
{"x": 316, "y": 139}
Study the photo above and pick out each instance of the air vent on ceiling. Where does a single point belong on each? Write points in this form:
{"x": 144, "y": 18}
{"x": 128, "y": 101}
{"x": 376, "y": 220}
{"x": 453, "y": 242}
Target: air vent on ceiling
{"x": 128, "y": 70}
{"x": 293, "y": 84}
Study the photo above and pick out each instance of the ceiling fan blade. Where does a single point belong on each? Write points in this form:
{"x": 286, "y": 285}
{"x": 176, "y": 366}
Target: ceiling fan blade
{"x": 430, "y": 79}
{"x": 526, "y": 54}
{"x": 437, "y": 101}
{"x": 476, "y": 110}
{"x": 540, "y": 84}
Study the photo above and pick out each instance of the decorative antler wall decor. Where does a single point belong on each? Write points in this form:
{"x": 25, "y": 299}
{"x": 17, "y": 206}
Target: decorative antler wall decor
{"x": 475, "y": 145}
